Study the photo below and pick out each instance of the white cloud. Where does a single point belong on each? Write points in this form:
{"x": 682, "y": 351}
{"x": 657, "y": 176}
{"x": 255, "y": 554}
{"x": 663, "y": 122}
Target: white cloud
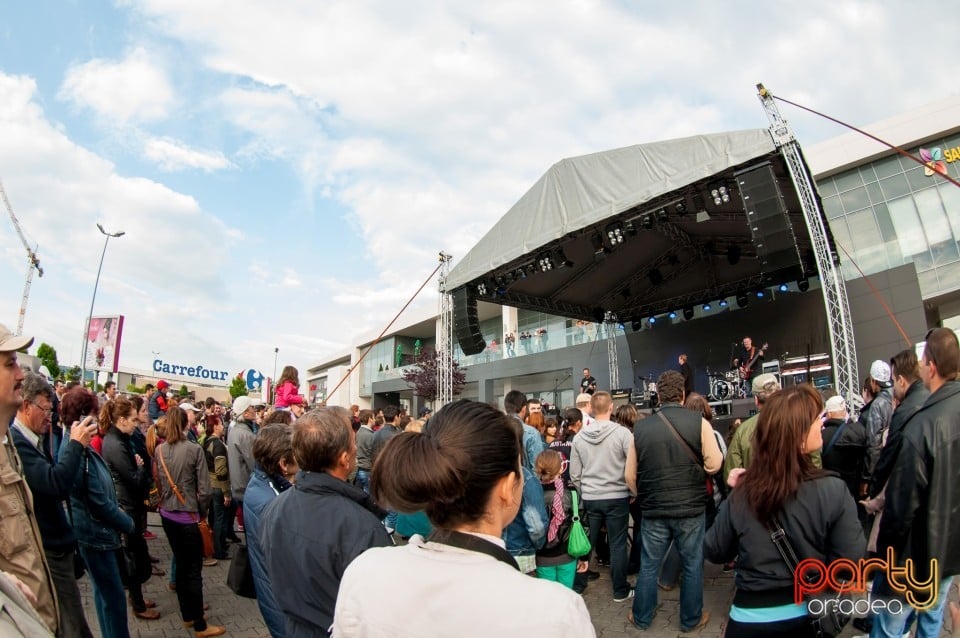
{"x": 134, "y": 89}
{"x": 173, "y": 155}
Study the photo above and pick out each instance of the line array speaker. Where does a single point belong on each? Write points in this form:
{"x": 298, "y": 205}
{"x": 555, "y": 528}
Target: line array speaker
{"x": 770, "y": 226}
{"x": 466, "y": 324}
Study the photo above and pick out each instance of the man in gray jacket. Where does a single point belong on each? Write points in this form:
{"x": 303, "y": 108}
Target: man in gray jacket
{"x": 240, "y": 448}
{"x": 603, "y": 466}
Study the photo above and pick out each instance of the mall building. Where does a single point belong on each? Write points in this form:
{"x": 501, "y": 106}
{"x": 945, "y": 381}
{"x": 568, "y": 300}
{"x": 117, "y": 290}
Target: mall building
{"x": 894, "y": 221}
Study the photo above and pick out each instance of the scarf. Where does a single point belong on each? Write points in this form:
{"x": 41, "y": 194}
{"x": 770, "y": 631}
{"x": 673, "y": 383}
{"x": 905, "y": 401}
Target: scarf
{"x": 556, "y": 510}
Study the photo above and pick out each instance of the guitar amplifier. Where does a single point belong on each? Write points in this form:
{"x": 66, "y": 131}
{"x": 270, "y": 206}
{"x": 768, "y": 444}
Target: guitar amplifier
{"x": 620, "y": 396}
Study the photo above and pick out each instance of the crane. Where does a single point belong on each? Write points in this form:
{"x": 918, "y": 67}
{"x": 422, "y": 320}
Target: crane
{"x": 33, "y": 262}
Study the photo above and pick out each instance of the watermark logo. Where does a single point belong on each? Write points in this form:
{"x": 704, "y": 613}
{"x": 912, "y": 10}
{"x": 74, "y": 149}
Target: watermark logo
{"x": 933, "y": 160}
{"x": 813, "y": 578}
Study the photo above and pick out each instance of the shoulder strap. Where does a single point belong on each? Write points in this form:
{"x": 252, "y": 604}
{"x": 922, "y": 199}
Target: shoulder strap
{"x": 686, "y": 446}
{"x": 472, "y": 543}
{"x": 833, "y": 439}
{"x": 782, "y": 542}
{"x": 173, "y": 486}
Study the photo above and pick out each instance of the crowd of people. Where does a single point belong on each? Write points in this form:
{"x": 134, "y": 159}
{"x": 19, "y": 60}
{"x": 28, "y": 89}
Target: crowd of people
{"x": 469, "y": 521}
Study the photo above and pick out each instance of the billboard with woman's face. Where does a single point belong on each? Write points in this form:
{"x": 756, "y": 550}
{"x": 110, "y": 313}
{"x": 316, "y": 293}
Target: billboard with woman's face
{"x": 103, "y": 343}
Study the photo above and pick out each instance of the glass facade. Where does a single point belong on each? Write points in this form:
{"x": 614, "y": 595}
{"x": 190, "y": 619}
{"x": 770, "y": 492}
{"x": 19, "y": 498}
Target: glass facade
{"x": 891, "y": 212}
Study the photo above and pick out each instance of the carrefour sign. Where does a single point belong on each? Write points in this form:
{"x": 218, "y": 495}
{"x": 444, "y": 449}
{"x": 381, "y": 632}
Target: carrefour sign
{"x": 196, "y": 371}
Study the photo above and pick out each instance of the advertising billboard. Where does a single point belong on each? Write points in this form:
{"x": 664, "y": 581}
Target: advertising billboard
{"x": 103, "y": 343}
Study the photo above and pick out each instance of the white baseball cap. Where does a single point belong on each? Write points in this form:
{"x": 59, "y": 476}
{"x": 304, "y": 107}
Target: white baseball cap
{"x": 836, "y": 404}
{"x": 880, "y": 372}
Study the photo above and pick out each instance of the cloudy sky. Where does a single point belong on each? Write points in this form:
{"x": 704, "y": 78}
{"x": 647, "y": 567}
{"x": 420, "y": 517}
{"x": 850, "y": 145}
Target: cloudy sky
{"x": 286, "y": 172}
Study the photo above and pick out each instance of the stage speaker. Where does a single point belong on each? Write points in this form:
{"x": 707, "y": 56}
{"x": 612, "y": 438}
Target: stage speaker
{"x": 770, "y": 226}
{"x": 620, "y": 396}
{"x": 466, "y": 324}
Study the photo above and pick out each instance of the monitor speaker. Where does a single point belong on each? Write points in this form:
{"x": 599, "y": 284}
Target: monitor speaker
{"x": 466, "y": 323}
{"x": 770, "y": 226}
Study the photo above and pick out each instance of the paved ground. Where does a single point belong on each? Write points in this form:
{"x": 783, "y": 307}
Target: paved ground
{"x": 242, "y": 617}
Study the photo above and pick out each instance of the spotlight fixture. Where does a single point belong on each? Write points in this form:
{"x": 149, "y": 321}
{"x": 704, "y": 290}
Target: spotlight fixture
{"x": 720, "y": 194}
{"x": 599, "y": 250}
{"x": 615, "y": 234}
{"x": 482, "y": 289}
{"x": 545, "y": 262}
{"x": 673, "y": 314}
{"x": 803, "y": 285}
{"x": 653, "y": 320}
{"x": 662, "y": 216}
{"x": 760, "y": 294}
{"x": 688, "y": 313}
{"x": 706, "y": 307}
{"x": 636, "y": 325}
{"x": 681, "y": 208}
{"x": 647, "y": 221}
{"x": 784, "y": 287}
{"x": 723, "y": 303}
{"x": 742, "y": 300}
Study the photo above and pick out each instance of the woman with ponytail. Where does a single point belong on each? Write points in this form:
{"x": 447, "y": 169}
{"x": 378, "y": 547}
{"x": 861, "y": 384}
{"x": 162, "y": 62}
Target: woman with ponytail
{"x": 118, "y": 421}
{"x": 464, "y": 471}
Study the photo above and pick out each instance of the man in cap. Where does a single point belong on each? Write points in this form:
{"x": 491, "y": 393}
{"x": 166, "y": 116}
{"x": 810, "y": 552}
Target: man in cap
{"x": 191, "y": 411}
{"x": 844, "y": 444}
{"x": 877, "y": 417}
{"x": 21, "y": 552}
{"x": 157, "y": 403}
{"x": 424, "y": 414}
{"x": 240, "y": 447}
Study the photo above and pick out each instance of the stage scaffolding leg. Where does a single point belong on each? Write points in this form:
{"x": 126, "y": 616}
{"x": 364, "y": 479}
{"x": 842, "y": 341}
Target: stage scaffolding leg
{"x": 444, "y": 337}
{"x": 843, "y": 347}
{"x": 610, "y": 323}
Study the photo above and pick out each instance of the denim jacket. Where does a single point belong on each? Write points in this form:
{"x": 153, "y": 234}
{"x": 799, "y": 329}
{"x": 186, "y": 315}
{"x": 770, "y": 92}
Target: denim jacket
{"x": 97, "y": 517}
{"x": 528, "y": 531}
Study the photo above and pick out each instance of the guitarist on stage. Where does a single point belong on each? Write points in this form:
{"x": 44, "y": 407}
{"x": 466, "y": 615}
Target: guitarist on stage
{"x": 748, "y": 360}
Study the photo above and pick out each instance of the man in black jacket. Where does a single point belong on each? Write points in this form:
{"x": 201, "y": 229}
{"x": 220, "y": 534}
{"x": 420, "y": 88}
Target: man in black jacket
{"x": 51, "y": 484}
{"x": 844, "y": 445}
{"x": 317, "y": 528}
{"x": 921, "y": 519}
{"x": 910, "y": 394}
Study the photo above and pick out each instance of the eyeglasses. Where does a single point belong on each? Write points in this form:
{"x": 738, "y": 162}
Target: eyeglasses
{"x": 46, "y": 411}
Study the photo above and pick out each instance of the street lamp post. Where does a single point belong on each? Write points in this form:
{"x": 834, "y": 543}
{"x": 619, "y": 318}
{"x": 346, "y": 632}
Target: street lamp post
{"x": 86, "y": 332}
{"x": 273, "y": 383}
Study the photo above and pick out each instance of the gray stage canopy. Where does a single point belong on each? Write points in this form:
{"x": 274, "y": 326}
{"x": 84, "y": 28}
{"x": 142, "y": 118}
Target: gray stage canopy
{"x": 644, "y": 230}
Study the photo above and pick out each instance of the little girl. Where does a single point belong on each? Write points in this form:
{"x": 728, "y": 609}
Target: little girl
{"x": 288, "y": 388}
{"x": 553, "y": 561}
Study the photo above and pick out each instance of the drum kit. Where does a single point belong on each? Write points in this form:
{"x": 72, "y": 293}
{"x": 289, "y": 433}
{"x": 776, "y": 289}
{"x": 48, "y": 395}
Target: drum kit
{"x": 726, "y": 386}
{"x": 647, "y": 395}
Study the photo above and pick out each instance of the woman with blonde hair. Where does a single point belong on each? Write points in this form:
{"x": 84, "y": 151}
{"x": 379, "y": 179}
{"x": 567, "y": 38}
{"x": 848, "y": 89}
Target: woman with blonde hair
{"x": 464, "y": 470}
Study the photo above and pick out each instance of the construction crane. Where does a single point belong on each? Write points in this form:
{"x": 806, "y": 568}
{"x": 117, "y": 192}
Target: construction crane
{"x": 33, "y": 262}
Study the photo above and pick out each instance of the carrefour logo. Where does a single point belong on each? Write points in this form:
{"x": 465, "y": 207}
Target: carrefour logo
{"x": 936, "y": 160}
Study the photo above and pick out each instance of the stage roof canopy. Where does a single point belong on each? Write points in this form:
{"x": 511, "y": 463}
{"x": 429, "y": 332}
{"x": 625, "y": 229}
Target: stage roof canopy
{"x": 644, "y": 230}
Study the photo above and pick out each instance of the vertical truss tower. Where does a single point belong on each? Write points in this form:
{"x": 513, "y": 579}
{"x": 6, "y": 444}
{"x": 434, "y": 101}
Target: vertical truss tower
{"x": 831, "y": 278}
{"x": 444, "y": 337}
{"x": 610, "y": 324}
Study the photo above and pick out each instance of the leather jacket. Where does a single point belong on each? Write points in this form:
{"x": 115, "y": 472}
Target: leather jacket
{"x": 922, "y": 514}
{"x": 914, "y": 399}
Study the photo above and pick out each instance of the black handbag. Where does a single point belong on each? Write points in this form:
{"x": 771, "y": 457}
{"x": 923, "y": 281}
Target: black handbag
{"x": 827, "y": 624}
{"x": 240, "y": 576}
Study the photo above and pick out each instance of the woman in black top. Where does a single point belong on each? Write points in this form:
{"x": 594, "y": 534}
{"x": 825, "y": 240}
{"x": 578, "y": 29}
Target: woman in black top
{"x": 118, "y": 420}
{"x": 782, "y": 485}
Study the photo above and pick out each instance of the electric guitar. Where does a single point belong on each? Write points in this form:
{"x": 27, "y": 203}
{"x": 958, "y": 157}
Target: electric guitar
{"x": 746, "y": 370}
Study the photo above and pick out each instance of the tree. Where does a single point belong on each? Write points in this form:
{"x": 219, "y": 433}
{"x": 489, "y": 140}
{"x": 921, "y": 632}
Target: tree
{"x": 73, "y": 374}
{"x": 184, "y": 392}
{"x": 48, "y": 356}
{"x": 135, "y": 389}
{"x": 238, "y": 387}
{"x": 422, "y": 376}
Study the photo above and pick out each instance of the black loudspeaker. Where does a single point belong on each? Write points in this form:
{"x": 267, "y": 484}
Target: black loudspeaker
{"x": 770, "y": 226}
{"x": 620, "y": 396}
{"x": 466, "y": 324}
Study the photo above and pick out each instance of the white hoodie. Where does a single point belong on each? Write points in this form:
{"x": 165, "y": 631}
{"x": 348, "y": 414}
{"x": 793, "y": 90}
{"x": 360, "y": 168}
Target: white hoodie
{"x": 603, "y": 461}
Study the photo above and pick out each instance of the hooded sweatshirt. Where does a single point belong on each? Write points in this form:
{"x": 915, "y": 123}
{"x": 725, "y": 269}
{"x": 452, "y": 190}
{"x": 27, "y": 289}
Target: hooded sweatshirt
{"x": 603, "y": 461}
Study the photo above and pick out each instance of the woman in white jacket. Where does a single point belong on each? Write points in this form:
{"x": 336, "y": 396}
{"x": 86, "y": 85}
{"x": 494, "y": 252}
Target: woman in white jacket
{"x": 464, "y": 470}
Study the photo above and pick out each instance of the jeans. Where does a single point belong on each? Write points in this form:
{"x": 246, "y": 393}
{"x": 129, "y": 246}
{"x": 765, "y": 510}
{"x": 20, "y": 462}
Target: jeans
{"x": 187, "y": 547}
{"x": 657, "y": 533}
{"x": 615, "y": 512}
{"x": 563, "y": 574}
{"x": 218, "y": 523}
{"x": 108, "y": 596}
{"x": 138, "y": 546}
{"x": 887, "y": 624}
{"x": 363, "y": 480}
{"x": 73, "y": 622}
{"x": 670, "y": 570}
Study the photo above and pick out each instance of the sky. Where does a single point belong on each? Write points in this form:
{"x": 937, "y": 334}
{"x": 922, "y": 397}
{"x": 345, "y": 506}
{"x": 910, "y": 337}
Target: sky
{"x": 285, "y": 173}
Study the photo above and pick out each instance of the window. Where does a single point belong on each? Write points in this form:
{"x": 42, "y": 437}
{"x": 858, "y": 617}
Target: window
{"x": 848, "y": 180}
{"x": 867, "y": 242}
{"x": 832, "y": 207}
{"x": 855, "y": 199}
{"x": 903, "y": 214}
{"x": 895, "y": 186}
{"x": 887, "y": 167}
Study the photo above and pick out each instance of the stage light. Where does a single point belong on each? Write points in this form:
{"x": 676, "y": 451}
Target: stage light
{"x": 647, "y": 221}
{"x": 688, "y": 313}
{"x": 615, "y": 234}
{"x": 656, "y": 277}
{"x": 803, "y": 285}
{"x": 636, "y": 325}
{"x": 545, "y": 262}
{"x": 681, "y": 208}
{"x": 482, "y": 289}
{"x": 673, "y": 314}
{"x": 630, "y": 228}
{"x": 723, "y": 303}
{"x": 733, "y": 254}
{"x": 662, "y": 216}
{"x": 760, "y": 294}
{"x": 599, "y": 250}
{"x": 784, "y": 287}
{"x": 720, "y": 194}
{"x": 652, "y": 320}
{"x": 742, "y": 300}
{"x": 706, "y": 307}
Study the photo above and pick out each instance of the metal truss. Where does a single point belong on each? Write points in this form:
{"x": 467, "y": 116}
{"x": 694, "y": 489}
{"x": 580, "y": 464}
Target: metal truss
{"x": 444, "y": 337}
{"x": 610, "y": 323}
{"x": 843, "y": 346}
